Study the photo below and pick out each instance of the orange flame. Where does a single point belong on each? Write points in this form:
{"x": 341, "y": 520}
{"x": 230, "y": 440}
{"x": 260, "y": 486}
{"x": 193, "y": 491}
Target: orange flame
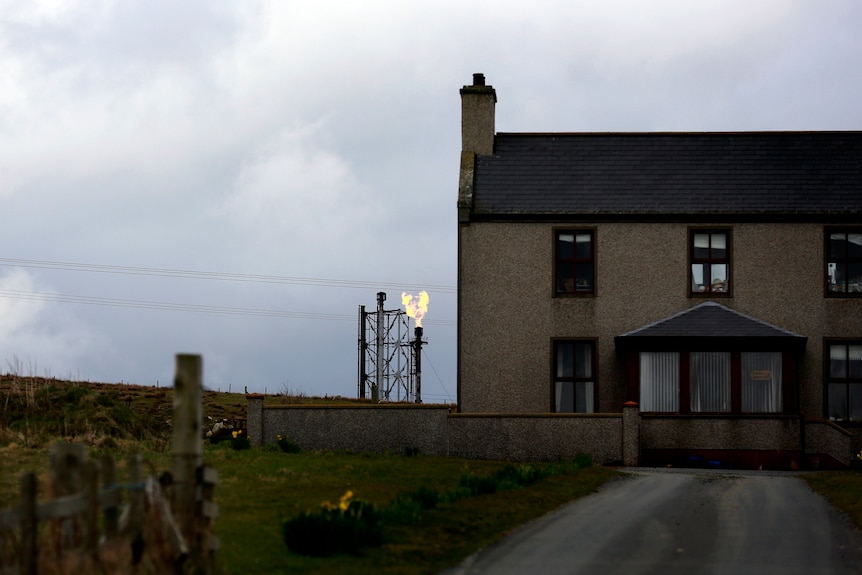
{"x": 416, "y": 307}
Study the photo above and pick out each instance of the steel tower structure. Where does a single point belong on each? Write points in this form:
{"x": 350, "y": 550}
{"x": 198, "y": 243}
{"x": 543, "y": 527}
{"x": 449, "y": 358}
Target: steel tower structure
{"x": 388, "y": 363}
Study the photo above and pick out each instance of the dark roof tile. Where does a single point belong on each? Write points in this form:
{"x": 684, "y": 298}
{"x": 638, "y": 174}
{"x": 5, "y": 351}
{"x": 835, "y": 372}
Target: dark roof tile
{"x": 672, "y": 173}
{"x": 709, "y": 322}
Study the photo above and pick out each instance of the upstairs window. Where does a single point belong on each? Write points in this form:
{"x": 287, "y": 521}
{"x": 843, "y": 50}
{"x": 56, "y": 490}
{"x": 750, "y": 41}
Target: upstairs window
{"x": 709, "y": 255}
{"x": 574, "y": 376}
{"x": 844, "y": 263}
{"x": 574, "y": 262}
{"x": 844, "y": 371}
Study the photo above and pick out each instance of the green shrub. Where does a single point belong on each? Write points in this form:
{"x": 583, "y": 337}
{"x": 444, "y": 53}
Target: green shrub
{"x": 287, "y": 445}
{"x": 583, "y": 460}
{"x": 476, "y": 485}
{"x": 239, "y": 440}
{"x": 509, "y": 477}
{"x": 403, "y": 510}
{"x": 347, "y": 527}
{"x": 514, "y": 476}
{"x": 426, "y": 497}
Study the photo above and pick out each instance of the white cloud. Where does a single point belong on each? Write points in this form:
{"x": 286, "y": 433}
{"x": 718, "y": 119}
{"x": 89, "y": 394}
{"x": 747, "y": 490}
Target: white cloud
{"x": 321, "y": 140}
{"x": 17, "y": 311}
{"x": 293, "y": 191}
{"x": 36, "y": 332}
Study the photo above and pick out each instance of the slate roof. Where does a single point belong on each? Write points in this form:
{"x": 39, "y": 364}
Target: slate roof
{"x": 709, "y": 323}
{"x": 671, "y": 173}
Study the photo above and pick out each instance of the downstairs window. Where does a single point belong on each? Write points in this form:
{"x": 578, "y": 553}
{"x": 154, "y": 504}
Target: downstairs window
{"x": 844, "y": 374}
{"x": 711, "y": 382}
{"x": 574, "y": 378}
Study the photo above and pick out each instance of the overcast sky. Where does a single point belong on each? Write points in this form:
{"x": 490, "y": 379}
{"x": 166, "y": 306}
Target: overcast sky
{"x": 320, "y": 141}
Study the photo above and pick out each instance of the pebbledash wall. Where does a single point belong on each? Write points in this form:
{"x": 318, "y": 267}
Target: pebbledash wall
{"x": 433, "y": 430}
{"x": 626, "y": 438}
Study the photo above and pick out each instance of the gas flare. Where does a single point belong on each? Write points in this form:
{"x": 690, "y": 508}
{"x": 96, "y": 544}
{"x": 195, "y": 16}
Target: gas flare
{"x": 416, "y": 306}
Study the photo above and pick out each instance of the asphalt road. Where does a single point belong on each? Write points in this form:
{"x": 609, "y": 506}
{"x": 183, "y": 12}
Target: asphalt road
{"x": 683, "y": 521}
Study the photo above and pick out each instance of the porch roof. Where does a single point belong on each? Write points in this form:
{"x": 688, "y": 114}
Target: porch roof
{"x": 710, "y": 325}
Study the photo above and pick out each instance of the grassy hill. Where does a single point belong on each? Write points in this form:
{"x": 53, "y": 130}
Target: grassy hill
{"x": 36, "y": 410}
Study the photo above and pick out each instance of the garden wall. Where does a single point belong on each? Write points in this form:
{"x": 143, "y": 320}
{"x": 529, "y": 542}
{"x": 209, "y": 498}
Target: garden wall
{"x": 378, "y": 428}
{"x": 630, "y": 438}
{"x": 433, "y": 430}
{"x": 828, "y": 445}
{"x": 746, "y": 442}
{"x": 536, "y": 437}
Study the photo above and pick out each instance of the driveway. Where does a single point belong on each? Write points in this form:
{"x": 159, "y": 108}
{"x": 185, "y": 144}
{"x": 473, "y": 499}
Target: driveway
{"x": 677, "y": 521}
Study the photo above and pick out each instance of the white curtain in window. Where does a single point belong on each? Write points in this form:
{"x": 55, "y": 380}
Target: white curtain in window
{"x": 585, "y": 391}
{"x": 854, "y": 354}
{"x": 761, "y": 382}
{"x": 574, "y": 396}
{"x": 845, "y": 360}
{"x": 710, "y": 381}
{"x": 659, "y": 381}
{"x": 565, "y": 397}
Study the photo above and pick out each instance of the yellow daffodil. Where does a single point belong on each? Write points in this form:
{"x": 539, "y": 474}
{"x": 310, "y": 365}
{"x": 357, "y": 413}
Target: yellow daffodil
{"x": 344, "y": 502}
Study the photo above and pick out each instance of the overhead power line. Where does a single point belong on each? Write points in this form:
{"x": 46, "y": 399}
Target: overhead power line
{"x": 184, "y": 307}
{"x": 221, "y": 276}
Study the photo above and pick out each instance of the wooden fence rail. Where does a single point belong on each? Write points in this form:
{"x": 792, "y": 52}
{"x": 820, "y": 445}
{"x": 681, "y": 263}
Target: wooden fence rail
{"x": 93, "y": 520}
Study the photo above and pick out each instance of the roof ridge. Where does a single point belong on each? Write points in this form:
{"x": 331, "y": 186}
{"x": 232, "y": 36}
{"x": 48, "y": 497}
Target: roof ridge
{"x": 664, "y": 319}
{"x": 680, "y": 133}
{"x": 708, "y": 304}
{"x": 756, "y": 320}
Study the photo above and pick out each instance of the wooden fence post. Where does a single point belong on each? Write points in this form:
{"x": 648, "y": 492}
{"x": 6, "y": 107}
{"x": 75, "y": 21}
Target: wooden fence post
{"x": 207, "y": 513}
{"x": 187, "y": 443}
{"x": 91, "y": 510}
{"x": 29, "y": 549}
{"x": 136, "y": 508}
{"x": 112, "y": 511}
{"x": 73, "y": 514}
{"x": 67, "y": 478}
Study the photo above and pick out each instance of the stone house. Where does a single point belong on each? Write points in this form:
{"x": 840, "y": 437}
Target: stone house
{"x": 714, "y": 280}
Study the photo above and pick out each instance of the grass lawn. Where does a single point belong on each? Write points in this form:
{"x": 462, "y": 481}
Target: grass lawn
{"x": 259, "y": 487}
{"x": 843, "y": 489}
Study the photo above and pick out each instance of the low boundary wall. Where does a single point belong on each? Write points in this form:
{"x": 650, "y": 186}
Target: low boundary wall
{"x": 627, "y": 438}
{"x": 433, "y": 430}
{"x": 536, "y": 437}
{"x": 378, "y": 428}
{"x": 827, "y": 445}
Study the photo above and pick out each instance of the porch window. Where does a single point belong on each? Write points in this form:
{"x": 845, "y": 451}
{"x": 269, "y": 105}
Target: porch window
{"x": 659, "y": 381}
{"x": 709, "y": 254}
{"x": 845, "y": 381}
{"x": 717, "y": 382}
{"x": 844, "y": 263}
{"x": 574, "y": 262}
{"x": 709, "y": 381}
{"x": 574, "y": 380}
{"x": 761, "y": 382}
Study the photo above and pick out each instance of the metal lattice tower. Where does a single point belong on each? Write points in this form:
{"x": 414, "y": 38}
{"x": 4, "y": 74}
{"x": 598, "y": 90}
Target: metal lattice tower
{"x": 388, "y": 366}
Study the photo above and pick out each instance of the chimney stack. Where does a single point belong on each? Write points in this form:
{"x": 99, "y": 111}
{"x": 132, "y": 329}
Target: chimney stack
{"x": 477, "y": 117}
